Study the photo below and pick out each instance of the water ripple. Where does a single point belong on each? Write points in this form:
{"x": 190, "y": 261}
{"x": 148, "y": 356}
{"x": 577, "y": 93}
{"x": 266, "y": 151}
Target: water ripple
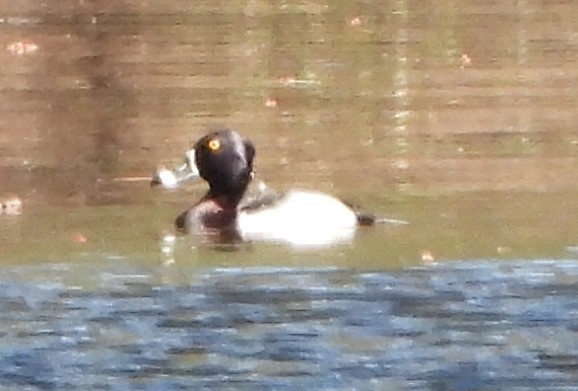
{"x": 460, "y": 326}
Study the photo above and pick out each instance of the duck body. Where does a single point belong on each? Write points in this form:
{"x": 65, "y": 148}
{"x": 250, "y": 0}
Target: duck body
{"x": 300, "y": 218}
{"x": 226, "y": 213}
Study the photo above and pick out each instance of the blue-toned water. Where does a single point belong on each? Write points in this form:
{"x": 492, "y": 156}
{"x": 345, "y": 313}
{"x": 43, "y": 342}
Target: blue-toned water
{"x": 456, "y": 326}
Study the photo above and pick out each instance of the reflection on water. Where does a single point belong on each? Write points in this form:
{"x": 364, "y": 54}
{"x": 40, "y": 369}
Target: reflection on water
{"x": 425, "y": 98}
{"x": 390, "y": 106}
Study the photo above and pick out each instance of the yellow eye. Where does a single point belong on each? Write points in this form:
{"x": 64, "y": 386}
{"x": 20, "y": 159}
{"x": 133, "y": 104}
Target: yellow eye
{"x": 214, "y": 144}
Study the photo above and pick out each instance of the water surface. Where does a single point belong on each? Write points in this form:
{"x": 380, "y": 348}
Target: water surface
{"x": 458, "y": 117}
{"x": 450, "y": 116}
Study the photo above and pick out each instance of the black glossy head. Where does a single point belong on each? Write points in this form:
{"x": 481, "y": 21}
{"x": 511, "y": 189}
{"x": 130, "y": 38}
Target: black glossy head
{"x": 225, "y": 160}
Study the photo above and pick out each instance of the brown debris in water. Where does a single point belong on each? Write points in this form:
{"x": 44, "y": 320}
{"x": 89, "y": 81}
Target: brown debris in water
{"x": 11, "y": 206}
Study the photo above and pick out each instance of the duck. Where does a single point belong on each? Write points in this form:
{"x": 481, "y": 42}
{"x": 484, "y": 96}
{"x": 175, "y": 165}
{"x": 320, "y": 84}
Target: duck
{"x": 228, "y": 212}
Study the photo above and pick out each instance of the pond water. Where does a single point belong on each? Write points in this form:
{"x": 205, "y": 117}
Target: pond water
{"x": 457, "y": 117}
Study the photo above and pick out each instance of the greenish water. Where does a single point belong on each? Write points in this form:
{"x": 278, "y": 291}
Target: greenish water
{"x": 493, "y": 226}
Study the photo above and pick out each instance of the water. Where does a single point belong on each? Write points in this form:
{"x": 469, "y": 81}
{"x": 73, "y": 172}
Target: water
{"x": 456, "y": 117}
{"x": 460, "y": 326}
{"x": 446, "y": 121}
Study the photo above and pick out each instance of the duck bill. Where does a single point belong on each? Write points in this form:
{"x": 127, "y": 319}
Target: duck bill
{"x": 171, "y": 179}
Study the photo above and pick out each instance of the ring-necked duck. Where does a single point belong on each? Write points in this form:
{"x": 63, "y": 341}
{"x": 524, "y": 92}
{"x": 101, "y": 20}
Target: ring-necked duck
{"x": 224, "y": 159}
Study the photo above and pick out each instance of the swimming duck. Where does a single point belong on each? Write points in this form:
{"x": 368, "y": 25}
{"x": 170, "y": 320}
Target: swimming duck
{"x": 224, "y": 159}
